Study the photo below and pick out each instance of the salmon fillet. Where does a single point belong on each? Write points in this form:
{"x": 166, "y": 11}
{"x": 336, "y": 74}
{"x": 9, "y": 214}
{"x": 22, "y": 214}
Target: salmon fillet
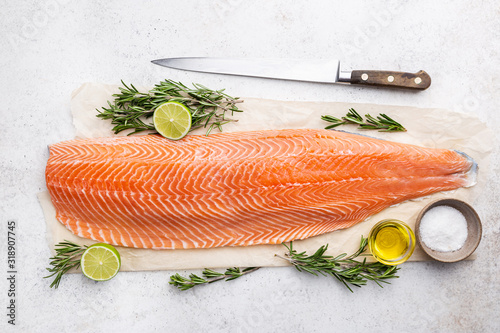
{"x": 243, "y": 188}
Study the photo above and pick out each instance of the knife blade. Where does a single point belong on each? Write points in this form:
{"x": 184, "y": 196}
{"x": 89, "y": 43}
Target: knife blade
{"x": 324, "y": 71}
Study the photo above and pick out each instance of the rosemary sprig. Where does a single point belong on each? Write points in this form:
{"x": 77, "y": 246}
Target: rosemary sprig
{"x": 67, "y": 256}
{"x": 210, "y": 276}
{"x": 131, "y": 108}
{"x": 383, "y": 122}
{"x": 344, "y": 268}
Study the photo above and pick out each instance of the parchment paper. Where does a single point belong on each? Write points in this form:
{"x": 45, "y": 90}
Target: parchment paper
{"x": 426, "y": 127}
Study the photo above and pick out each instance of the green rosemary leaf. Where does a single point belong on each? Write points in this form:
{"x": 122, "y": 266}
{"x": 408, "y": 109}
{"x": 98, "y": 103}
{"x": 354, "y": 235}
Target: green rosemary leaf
{"x": 183, "y": 283}
{"x": 67, "y": 257}
{"x": 382, "y": 122}
{"x": 208, "y": 273}
{"x": 344, "y": 268}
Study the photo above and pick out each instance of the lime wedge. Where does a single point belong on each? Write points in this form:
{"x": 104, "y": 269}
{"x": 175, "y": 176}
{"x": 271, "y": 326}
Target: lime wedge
{"x": 172, "y": 120}
{"x": 100, "y": 262}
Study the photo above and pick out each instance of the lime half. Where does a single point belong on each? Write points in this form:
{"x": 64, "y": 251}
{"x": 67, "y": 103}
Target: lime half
{"x": 100, "y": 262}
{"x": 172, "y": 120}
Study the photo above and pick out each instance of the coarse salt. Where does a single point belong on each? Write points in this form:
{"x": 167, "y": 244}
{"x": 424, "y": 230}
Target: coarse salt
{"x": 443, "y": 229}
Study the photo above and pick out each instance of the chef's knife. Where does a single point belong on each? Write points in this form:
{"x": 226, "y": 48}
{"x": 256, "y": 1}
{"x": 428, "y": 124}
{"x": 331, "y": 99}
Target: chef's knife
{"x": 326, "y": 71}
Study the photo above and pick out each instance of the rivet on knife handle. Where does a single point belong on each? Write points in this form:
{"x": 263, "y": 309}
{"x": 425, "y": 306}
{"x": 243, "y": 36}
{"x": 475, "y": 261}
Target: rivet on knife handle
{"x": 420, "y": 80}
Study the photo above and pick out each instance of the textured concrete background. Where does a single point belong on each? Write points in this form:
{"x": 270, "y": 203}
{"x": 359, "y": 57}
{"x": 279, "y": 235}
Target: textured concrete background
{"x": 49, "y": 47}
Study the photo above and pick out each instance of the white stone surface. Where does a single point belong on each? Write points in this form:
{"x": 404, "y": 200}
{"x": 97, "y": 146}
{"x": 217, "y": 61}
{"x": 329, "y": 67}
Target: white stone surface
{"x": 49, "y": 47}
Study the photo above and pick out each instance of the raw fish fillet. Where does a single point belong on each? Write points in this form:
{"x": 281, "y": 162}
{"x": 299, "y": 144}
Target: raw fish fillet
{"x": 244, "y": 188}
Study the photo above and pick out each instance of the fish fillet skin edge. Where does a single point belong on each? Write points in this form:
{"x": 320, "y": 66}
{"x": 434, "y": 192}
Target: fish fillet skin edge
{"x": 238, "y": 189}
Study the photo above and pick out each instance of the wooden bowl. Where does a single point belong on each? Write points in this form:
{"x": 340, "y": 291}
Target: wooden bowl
{"x": 474, "y": 231}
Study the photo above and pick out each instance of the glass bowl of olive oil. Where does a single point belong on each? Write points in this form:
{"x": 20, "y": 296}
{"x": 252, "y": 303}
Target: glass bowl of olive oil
{"x": 391, "y": 242}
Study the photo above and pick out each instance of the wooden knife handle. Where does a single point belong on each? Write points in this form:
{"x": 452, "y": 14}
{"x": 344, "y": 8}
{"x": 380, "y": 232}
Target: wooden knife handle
{"x": 419, "y": 81}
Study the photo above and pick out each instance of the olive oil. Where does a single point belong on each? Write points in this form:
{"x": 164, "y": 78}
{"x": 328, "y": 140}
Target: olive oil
{"x": 391, "y": 242}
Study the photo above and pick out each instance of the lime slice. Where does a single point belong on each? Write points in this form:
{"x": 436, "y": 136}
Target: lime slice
{"x": 100, "y": 262}
{"x": 172, "y": 120}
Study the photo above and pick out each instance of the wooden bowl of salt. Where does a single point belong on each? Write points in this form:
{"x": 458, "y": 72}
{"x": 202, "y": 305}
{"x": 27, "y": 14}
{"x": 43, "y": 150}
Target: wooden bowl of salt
{"x": 448, "y": 230}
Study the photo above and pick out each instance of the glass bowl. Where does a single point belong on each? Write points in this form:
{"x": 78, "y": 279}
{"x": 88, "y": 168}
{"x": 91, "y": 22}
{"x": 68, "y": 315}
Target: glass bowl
{"x": 391, "y": 242}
